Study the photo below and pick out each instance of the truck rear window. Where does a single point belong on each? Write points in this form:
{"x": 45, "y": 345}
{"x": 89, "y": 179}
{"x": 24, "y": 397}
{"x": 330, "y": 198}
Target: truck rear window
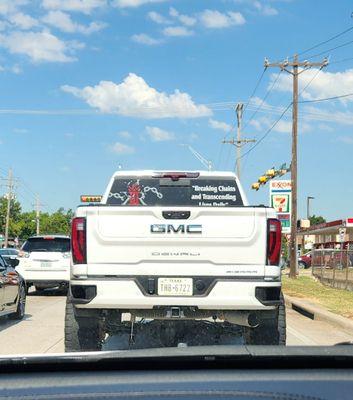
{"x": 200, "y": 192}
{"x": 61, "y": 245}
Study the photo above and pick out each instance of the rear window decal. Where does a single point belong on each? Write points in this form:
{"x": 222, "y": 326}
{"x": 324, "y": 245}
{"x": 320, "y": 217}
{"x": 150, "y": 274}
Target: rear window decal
{"x": 135, "y": 194}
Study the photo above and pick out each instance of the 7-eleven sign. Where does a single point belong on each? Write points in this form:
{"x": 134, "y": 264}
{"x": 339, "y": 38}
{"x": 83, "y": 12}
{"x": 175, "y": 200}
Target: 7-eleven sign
{"x": 280, "y": 202}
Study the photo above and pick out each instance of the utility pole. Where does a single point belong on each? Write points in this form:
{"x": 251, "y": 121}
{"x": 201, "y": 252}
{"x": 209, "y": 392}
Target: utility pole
{"x": 38, "y": 206}
{"x": 37, "y": 214}
{"x": 239, "y": 142}
{"x": 9, "y": 198}
{"x": 295, "y": 72}
{"x": 239, "y": 111}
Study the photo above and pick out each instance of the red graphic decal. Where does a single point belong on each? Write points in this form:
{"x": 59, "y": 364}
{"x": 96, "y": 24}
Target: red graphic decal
{"x": 134, "y": 194}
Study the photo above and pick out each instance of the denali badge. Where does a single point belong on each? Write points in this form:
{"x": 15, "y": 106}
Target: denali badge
{"x": 162, "y": 228}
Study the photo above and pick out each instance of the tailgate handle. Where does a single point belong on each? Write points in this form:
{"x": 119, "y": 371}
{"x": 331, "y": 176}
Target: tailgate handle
{"x": 176, "y": 214}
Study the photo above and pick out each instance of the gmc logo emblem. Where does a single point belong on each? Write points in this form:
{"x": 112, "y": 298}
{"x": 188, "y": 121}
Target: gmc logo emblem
{"x": 162, "y": 228}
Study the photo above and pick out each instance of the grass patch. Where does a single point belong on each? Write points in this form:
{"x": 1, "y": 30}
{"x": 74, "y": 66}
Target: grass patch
{"x": 335, "y": 300}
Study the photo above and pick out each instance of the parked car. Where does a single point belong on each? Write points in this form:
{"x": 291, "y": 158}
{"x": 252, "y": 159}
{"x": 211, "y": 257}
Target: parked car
{"x": 304, "y": 261}
{"x": 9, "y": 253}
{"x": 45, "y": 261}
{"x": 12, "y": 290}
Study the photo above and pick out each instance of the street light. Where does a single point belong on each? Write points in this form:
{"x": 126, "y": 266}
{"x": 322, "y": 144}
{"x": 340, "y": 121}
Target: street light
{"x": 308, "y": 205}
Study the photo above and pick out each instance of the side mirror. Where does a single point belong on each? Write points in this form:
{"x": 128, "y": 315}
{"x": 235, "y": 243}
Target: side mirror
{"x": 13, "y": 262}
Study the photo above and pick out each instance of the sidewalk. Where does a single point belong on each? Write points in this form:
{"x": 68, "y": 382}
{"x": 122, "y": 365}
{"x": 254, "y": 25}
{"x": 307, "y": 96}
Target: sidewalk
{"x": 316, "y": 312}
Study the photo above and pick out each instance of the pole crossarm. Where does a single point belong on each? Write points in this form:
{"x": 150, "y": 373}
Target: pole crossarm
{"x": 238, "y": 143}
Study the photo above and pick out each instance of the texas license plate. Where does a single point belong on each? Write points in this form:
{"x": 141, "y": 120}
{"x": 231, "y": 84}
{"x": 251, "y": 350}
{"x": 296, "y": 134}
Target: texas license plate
{"x": 45, "y": 264}
{"x": 175, "y": 286}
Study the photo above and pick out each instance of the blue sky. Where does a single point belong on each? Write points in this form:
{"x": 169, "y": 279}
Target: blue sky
{"x": 88, "y": 85}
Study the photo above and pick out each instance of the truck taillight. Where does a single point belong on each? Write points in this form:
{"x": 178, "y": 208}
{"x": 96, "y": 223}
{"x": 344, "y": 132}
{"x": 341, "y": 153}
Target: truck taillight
{"x": 273, "y": 241}
{"x": 78, "y": 240}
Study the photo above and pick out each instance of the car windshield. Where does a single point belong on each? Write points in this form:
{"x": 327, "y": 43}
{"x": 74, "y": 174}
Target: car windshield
{"x": 48, "y": 244}
{"x": 175, "y": 173}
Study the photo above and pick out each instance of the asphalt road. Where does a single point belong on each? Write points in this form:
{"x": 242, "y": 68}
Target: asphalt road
{"x": 42, "y": 329}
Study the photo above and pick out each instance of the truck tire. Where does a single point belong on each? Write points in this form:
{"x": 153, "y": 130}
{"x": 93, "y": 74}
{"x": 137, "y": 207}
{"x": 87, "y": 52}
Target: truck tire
{"x": 81, "y": 333}
{"x": 21, "y": 305}
{"x": 271, "y": 331}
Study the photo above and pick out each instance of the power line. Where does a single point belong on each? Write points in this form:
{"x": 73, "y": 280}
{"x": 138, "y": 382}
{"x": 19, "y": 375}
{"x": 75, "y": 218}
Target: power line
{"x": 327, "y": 98}
{"x": 331, "y": 49}
{"x": 268, "y": 131}
{"x": 255, "y": 88}
{"x": 263, "y": 100}
{"x": 341, "y": 61}
{"x": 326, "y": 41}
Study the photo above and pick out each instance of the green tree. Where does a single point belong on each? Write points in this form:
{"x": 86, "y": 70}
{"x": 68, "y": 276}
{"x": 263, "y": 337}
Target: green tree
{"x": 57, "y": 223}
{"x": 15, "y": 215}
{"x": 316, "y": 219}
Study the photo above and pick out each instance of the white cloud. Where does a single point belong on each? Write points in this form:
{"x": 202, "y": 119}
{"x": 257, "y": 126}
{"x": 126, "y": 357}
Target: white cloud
{"x": 39, "y": 46}
{"x": 261, "y": 124}
{"x": 193, "y": 137}
{"x": 177, "y": 31}
{"x": 84, "y": 6}
{"x": 4, "y": 25}
{"x": 323, "y": 84}
{"x": 219, "y": 125}
{"x": 125, "y": 134}
{"x": 217, "y": 20}
{"x": 133, "y": 3}
{"x": 15, "y": 69}
{"x": 157, "y": 18}
{"x": 346, "y": 139}
{"x": 143, "y": 38}
{"x": 11, "y": 6}
{"x": 265, "y": 9}
{"x": 23, "y": 21}
{"x": 187, "y": 20}
{"x": 159, "y": 135}
{"x": 63, "y": 21}
{"x": 134, "y": 97}
{"x": 184, "y": 19}
{"x": 20, "y": 130}
{"x": 121, "y": 148}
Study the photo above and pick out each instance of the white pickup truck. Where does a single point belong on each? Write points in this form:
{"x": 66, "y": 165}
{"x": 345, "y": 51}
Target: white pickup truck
{"x": 174, "y": 246}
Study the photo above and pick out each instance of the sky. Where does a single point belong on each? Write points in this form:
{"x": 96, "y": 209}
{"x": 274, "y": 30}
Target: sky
{"x": 90, "y": 86}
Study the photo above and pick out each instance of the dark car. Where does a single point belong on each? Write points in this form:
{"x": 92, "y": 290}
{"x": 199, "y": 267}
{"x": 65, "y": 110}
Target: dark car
{"x": 9, "y": 254}
{"x": 12, "y": 290}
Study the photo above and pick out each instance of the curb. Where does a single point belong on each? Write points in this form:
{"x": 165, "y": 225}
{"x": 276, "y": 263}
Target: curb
{"x": 318, "y": 313}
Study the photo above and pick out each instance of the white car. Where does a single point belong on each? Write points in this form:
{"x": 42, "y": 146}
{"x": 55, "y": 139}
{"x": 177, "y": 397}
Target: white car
{"x": 174, "y": 246}
{"x": 45, "y": 261}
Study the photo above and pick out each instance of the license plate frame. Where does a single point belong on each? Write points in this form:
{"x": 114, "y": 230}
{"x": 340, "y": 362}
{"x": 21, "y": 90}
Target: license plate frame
{"x": 175, "y": 287}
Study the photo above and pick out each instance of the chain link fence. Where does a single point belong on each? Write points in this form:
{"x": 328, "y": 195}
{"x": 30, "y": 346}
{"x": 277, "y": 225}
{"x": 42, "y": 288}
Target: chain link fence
{"x": 333, "y": 267}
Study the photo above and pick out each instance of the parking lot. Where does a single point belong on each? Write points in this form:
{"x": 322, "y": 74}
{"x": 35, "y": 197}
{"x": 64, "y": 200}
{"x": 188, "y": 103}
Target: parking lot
{"x": 42, "y": 329}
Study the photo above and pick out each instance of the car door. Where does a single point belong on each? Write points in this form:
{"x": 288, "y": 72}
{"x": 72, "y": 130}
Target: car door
{"x": 3, "y": 279}
{"x": 12, "y": 282}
